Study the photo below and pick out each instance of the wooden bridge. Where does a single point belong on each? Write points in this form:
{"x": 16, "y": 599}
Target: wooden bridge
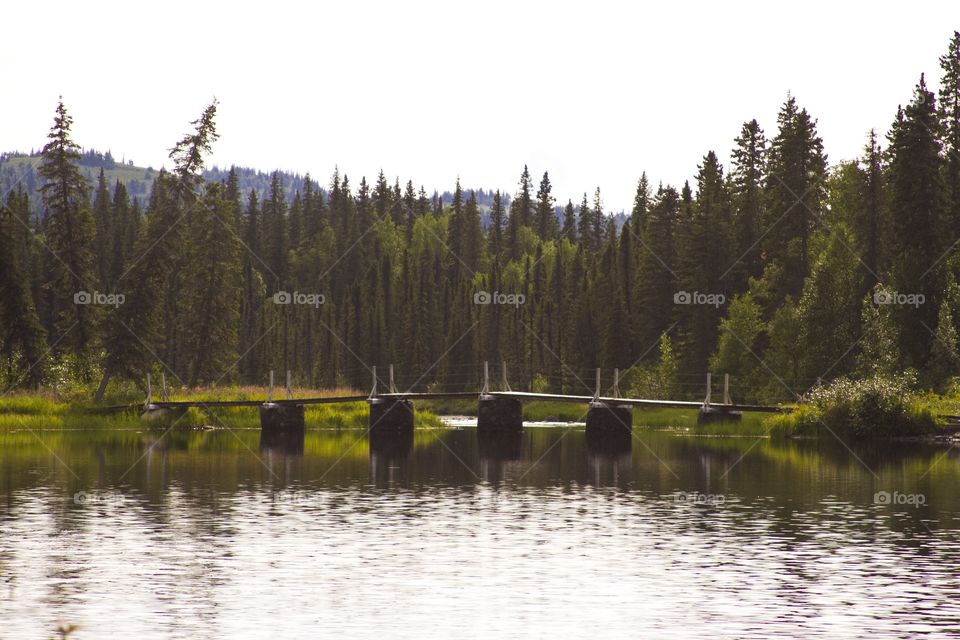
{"x": 497, "y": 410}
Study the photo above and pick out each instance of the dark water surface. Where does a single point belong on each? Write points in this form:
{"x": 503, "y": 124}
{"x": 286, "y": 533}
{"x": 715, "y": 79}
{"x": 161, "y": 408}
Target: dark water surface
{"x": 218, "y": 534}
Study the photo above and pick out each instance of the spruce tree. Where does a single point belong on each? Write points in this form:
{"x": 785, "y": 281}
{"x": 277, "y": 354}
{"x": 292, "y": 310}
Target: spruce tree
{"x": 70, "y": 233}
{"x": 917, "y": 208}
{"x": 795, "y": 192}
{"x": 950, "y": 109}
{"x": 134, "y": 332}
{"x": 546, "y": 218}
{"x": 22, "y": 338}
{"x": 748, "y": 176}
{"x": 497, "y": 223}
{"x": 212, "y": 283}
{"x": 569, "y": 231}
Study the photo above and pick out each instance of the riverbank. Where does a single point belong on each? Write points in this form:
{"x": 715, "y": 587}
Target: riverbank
{"x": 45, "y": 411}
{"x": 875, "y": 408}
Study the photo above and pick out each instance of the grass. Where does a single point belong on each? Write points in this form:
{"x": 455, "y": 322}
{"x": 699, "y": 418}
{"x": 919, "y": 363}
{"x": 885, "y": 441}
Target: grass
{"x": 41, "y": 411}
{"x": 875, "y": 407}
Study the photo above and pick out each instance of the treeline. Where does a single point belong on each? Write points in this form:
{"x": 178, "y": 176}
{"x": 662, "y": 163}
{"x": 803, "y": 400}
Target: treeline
{"x": 779, "y": 270}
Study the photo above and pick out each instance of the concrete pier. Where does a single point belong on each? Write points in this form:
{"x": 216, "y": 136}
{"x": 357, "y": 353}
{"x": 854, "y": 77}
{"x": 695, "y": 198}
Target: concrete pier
{"x": 281, "y": 417}
{"x": 609, "y": 428}
{"x": 499, "y": 414}
{"x": 604, "y": 418}
{"x": 390, "y": 414}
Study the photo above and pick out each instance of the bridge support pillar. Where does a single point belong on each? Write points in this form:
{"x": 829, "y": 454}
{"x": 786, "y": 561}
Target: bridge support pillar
{"x": 609, "y": 418}
{"x": 609, "y": 427}
{"x": 390, "y": 414}
{"x": 497, "y": 413}
{"x": 712, "y": 415}
{"x": 281, "y": 417}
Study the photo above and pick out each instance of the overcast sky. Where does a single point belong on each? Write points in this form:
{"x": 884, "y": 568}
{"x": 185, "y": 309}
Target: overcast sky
{"x": 594, "y": 92}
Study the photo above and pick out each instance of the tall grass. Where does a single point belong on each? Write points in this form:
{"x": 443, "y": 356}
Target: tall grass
{"x": 36, "y": 411}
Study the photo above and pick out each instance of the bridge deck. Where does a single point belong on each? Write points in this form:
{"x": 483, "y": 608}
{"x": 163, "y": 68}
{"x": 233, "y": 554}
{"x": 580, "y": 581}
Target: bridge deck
{"x": 452, "y": 395}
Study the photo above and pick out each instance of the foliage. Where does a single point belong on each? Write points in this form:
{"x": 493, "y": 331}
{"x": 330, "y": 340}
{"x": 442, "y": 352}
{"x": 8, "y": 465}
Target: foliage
{"x": 878, "y": 406}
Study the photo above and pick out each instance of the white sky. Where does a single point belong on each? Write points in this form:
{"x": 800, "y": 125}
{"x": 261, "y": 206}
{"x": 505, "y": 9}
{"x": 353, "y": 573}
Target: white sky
{"x": 595, "y": 92}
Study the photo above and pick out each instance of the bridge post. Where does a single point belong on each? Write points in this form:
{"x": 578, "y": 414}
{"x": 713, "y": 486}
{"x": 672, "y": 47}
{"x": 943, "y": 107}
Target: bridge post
{"x": 608, "y": 423}
{"x": 281, "y": 417}
{"x": 153, "y": 412}
{"x": 388, "y": 414}
{"x": 710, "y": 414}
{"x": 503, "y": 376}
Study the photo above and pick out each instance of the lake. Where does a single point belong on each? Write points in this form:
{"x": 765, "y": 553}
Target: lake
{"x": 214, "y": 534}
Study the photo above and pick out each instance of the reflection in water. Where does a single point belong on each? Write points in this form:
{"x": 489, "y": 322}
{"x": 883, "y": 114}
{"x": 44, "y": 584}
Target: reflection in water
{"x": 287, "y": 442}
{"x": 612, "y": 442}
{"x": 442, "y": 533}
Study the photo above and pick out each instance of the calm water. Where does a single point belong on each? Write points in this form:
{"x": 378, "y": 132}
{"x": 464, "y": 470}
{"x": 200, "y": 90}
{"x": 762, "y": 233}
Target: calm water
{"x": 217, "y": 534}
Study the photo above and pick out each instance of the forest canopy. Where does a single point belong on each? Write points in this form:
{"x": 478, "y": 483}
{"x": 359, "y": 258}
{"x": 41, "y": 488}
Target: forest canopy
{"x": 780, "y": 269}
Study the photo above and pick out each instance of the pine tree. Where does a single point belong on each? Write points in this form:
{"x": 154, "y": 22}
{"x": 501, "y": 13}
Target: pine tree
{"x": 103, "y": 217}
{"x": 520, "y": 214}
{"x": 641, "y": 204}
{"x": 703, "y": 255}
{"x": 829, "y": 310}
{"x": 496, "y": 229}
{"x": 656, "y": 275}
{"x": 597, "y": 218}
{"x": 546, "y": 218}
{"x": 868, "y": 225}
{"x": 22, "y": 338}
{"x": 569, "y": 231}
{"x": 588, "y": 236}
{"x": 950, "y": 109}
{"x": 275, "y": 234}
{"x": 134, "y": 332}
{"x": 748, "y": 176}
{"x": 70, "y": 233}
{"x": 212, "y": 282}
{"x": 917, "y": 206}
{"x": 795, "y": 191}
{"x": 473, "y": 241}
{"x": 124, "y": 234}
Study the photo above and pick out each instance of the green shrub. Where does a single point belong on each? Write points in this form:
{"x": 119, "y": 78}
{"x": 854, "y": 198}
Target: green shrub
{"x": 878, "y": 406}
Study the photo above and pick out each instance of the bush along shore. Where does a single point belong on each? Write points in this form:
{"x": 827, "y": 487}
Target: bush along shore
{"x": 875, "y": 407}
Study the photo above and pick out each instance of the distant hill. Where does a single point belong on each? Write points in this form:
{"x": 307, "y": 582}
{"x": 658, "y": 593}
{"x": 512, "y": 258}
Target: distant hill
{"x": 21, "y": 168}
